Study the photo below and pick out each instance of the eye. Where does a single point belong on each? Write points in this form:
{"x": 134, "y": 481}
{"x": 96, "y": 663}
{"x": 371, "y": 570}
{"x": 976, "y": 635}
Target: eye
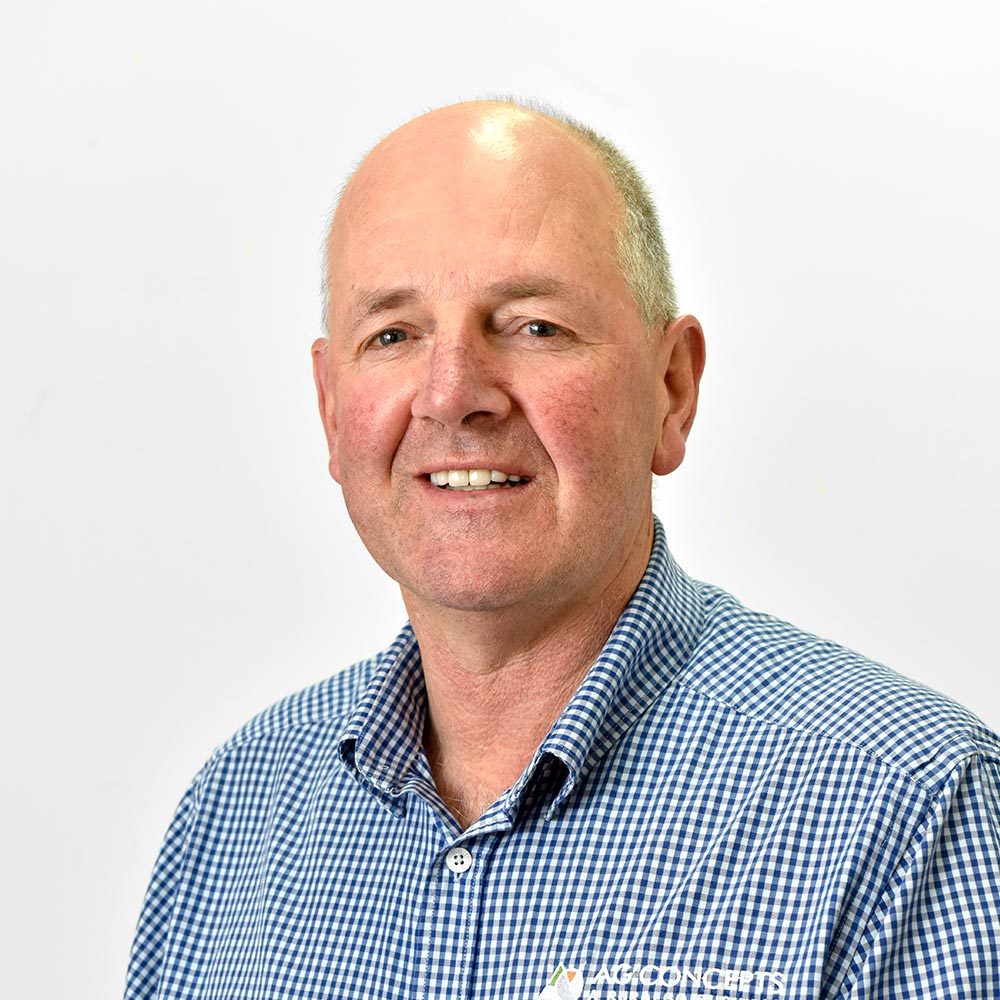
{"x": 541, "y": 328}
{"x": 387, "y": 338}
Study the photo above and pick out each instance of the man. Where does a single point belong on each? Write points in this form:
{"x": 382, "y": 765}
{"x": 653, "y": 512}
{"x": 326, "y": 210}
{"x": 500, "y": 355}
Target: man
{"x": 576, "y": 772}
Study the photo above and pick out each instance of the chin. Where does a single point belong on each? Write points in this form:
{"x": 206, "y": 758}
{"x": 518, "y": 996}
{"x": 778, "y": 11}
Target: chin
{"x": 487, "y": 589}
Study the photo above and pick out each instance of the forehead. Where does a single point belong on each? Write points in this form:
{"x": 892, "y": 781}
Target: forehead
{"x": 461, "y": 199}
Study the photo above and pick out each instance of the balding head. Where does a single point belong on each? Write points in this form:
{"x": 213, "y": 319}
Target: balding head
{"x": 481, "y": 325}
{"x": 487, "y": 142}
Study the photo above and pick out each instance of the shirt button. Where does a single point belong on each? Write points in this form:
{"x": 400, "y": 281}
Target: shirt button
{"x": 459, "y": 860}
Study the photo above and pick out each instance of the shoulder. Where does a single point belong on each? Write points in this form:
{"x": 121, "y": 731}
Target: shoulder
{"x": 299, "y": 723}
{"x": 774, "y": 672}
{"x": 329, "y": 701}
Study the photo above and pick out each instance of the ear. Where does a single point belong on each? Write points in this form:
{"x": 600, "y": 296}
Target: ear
{"x": 680, "y": 361}
{"x": 321, "y": 362}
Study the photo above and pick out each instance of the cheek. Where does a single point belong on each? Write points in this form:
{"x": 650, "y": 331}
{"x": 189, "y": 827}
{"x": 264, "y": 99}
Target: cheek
{"x": 569, "y": 427}
{"x": 370, "y": 421}
{"x": 598, "y": 426}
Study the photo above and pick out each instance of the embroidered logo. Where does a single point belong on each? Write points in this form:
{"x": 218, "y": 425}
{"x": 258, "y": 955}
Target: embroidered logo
{"x": 563, "y": 984}
{"x": 669, "y": 981}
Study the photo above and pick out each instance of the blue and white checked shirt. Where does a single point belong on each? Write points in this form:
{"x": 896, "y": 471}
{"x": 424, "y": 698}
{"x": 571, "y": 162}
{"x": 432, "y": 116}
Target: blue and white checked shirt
{"x": 727, "y": 808}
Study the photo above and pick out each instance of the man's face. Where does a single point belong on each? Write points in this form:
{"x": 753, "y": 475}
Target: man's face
{"x": 480, "y": 328}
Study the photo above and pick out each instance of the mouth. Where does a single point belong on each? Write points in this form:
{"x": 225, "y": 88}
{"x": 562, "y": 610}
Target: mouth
{"x": 476, "y": 479}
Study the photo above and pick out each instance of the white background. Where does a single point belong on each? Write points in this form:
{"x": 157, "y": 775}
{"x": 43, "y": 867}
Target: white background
{"x": 174, "y": 557}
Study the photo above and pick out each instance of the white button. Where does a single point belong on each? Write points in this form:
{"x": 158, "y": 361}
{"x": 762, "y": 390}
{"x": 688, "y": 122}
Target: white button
{"x": 459, "y": 860}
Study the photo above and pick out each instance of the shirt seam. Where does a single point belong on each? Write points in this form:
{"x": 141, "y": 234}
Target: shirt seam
{"x": 922, "y": 836}
{"x": 972, "y": 753}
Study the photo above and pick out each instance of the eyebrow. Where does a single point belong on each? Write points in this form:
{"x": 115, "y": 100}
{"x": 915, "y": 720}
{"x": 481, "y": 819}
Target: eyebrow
{"x": 373, "y": 301}
{"x": 378, "y": 300}
{"x": 530, "y": 287}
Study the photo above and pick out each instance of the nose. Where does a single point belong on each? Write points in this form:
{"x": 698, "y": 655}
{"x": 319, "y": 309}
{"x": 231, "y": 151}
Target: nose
{"x": 463, "y": 382}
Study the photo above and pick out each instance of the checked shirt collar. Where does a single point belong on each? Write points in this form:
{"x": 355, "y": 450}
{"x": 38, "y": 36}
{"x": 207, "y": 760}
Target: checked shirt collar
{"x": 648, "y": 647}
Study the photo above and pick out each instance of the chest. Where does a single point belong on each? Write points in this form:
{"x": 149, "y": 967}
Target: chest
{"x": 672, "y": 882}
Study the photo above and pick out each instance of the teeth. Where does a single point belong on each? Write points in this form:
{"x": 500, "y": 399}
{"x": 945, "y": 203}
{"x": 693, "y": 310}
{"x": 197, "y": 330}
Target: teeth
{"x": 473, "y": 479}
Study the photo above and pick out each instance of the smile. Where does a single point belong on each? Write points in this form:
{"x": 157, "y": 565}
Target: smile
{"x": 475, "y": 479}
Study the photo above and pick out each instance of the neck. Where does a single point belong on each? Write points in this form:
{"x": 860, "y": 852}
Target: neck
{"x": 497, "y": 680}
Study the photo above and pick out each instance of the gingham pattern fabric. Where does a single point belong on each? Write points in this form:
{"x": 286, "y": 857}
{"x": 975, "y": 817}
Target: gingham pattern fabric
{"x": 727, "y": 808}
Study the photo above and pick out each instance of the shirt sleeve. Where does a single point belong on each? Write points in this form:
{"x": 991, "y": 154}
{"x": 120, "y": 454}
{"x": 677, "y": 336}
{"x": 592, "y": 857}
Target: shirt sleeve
{"x": 149, "y": 947}
{"x": 935, "y": 931}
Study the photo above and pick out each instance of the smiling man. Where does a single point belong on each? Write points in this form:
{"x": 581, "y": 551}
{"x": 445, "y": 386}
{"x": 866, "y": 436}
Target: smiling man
{"x": 494, "y": 406}
{"x": 576, "y": 771}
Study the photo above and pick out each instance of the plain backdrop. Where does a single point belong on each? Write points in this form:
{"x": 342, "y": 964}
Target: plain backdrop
{"x": 174, "y": 556}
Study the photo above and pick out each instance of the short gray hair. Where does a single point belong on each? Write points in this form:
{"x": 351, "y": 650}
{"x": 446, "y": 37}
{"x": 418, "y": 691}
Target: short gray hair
{"x": 640, "y": 252}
